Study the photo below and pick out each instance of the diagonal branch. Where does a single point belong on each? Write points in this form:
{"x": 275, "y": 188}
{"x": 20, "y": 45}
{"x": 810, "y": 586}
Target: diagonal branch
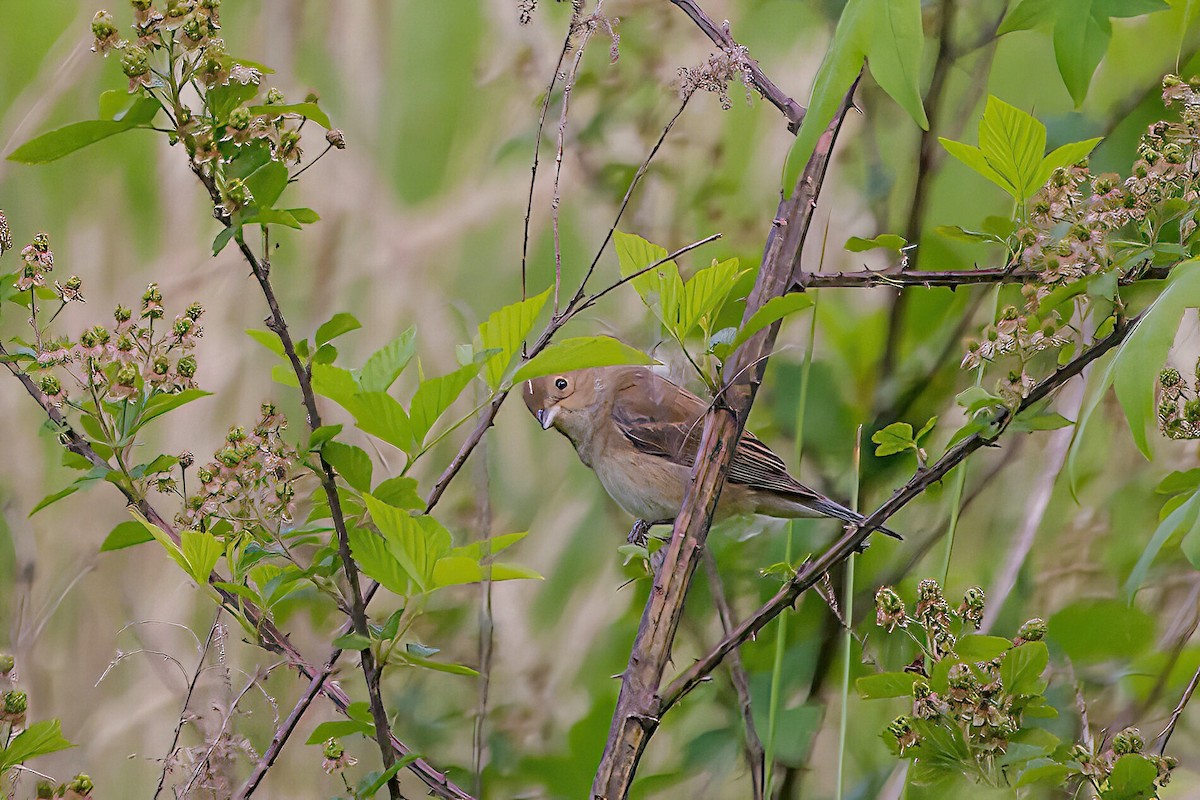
{"x": 722, "y": 37}
{"x": 636, "y": 718}
{"x": 269, "y": 636}
{"x": 855, "y": 536}
{"x": 867, "y": 278}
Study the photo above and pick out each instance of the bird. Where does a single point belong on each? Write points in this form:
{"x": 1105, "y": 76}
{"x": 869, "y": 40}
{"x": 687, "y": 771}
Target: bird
{"x": 639, "y": 433}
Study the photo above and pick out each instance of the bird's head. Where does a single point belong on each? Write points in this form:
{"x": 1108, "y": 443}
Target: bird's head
{"x": 565, "y": 401}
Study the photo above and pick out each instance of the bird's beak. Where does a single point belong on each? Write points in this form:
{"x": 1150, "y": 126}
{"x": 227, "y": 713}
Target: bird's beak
{"x": 546, "y": 416}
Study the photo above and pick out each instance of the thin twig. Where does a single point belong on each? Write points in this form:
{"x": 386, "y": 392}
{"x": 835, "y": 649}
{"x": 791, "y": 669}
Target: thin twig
{"x": 186, "y": 700}
{"x": 755, "y": 756}
{"x": 721, "y": 36}
{"x": 486, "y": 623}
{"x": 1178, "y": 712}
{"x": 928, "y": 279}
{"x": 537, "y": 148}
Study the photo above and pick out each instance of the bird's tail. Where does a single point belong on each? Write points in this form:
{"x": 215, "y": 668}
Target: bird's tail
{"x": 828, "y": 508}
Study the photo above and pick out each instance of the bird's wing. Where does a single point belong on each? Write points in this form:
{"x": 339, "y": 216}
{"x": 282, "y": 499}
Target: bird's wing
{"x": 664, "y": 420}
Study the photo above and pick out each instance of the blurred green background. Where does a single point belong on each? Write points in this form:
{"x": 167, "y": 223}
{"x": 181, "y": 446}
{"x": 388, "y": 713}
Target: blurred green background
{"x": 422, "y": 224}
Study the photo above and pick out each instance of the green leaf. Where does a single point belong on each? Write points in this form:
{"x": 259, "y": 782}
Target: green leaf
{"x": 126, "y": 534}
{"x": 340, "y": 324}
{"x": 1091, "y": 631}
{"x": 1026, "y": 422}
{"x": 352, "y": 641}
{"x": 504, "y": 331}
{"x": 270, "y": 216}
{"x": 225, "y": 98}
{"x": 381, "y": 415}
{"x": 887, "y": 34}
{"x": 454, "y": 570}
{"x": 974, "y": 158}
{"x": 351, "y": 462}
{"x": 580, "y": 353}
{"x": 201, "y": 550}
{"x": 162, "y": 403}
{"x": 488, "y": 547}
{"x": 377, "y": 561}
{"x": 885, "y": 684}
{"x": 335, "y": 383}
{"x": 925, "y": 429}
{"x": 772, "y": 311}
{"x": 895, "y": 438}
{"x": 55, "y": 144}
{"x": 1082, "y": 31}
{"x": 1185, "y": 516}
{"x": 38, "y": 739}
{"x": 54, "y": 497}
{"x": 962, "y": 234}
{"x": 1022, "y": 667}
{"x": 1065, "y": 156}
{"x": 266, "y": 184}
{"x": 322, "y": 435}
{"x": 305, "y": 216}
{"x": 1013, "y": 142}
{"x": 310, "y": 110}
{"x": 884, "y": 241}
{"x": 223, "y": 238}
{"x": 386, "y": 364}
{"x": 635, "y": 254}
{"x": 336, "y": 729}
{"x": 374, "y": 781}
{"x": 976, "y": 648}
{"x": 434, "y": 396}
{"x": 400, "y": 492}
{"x": 1132, "y": 778}
{"x": 416, "y": 543}
{"x": 703, "y": 295}
{"x": 1137, "y": 362}
{"x": 437, "y": 666}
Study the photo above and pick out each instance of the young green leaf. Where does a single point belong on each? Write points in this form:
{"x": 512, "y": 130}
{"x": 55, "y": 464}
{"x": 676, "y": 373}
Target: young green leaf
{"x": 309, "y": 110}
{"x": 201, "y": 550}
{"x": 773, "y": 310}
{"x": 885, "y": 684}
{"x": 38, "y": 739}
{"x": 635, "y": 254}
{"x": 386, "y": 364}
{"x": 55, "y": 144}
{"x": 1184, "y": 517}
{"x": 400, "y": 491}
{"x": 126, "y": 534}
{"x": 703, "y": 295}
{"x": 266, "y": 183}
{"x": 381, "y": 415}
{"x": 351, "y": 462}
{"x": 895, "y": 438}
{"x": 454, "y": 570}
{"x": 162, "y": 403}
{"x": 373, "y": 556}
{"x": 416, "y": 543}
{"x": 1022, "y": 667}
{"x": 339, "y": 324}
{"x": 504, "y": 331}
{"x": 352, "y": 641}
{"x": 884, "y": 241}
{"x": 580, "y": 353}
{"x": 434, "y": 396}
{"x": 336, "y": 729}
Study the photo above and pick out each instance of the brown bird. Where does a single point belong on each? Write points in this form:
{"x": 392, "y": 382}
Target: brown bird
{"x": 639, "y": 433}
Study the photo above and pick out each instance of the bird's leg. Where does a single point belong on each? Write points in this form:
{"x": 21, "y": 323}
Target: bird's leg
{"x": 641, "y": 530}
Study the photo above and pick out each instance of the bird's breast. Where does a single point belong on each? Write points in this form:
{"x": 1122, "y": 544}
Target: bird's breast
{"x": 647, "y": 487}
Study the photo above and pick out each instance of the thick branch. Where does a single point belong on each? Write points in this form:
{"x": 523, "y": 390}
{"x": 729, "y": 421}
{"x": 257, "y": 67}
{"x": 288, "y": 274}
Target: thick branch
{"x": 270, "y": 637}
{"x": 855, "y": 536}
{"x": 720, "y": 36}
{"x": 635, "y": 718}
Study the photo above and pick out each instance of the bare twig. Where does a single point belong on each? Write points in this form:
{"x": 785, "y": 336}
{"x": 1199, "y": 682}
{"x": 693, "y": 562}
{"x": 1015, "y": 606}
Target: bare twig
{"x": 755, "y": 755}
{"x": 186, "y": 700}
{"x": 721, "y": 36}
{"x": 486, "y": 623}
{"x": 636, "y": 716}
{"x": 1178, "y": 712}
{"x": 537, "y": 148}
{"x": 811, "y": 573}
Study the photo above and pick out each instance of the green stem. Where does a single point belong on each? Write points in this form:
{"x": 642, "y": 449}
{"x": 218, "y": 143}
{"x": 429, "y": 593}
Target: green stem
{"x": 781, "y": 625}
{"x": 960, "y": 477}
{"x": 848, "y": 629}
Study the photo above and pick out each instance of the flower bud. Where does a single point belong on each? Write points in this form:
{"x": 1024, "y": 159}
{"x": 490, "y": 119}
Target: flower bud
{"x": 889, "y": 609}
{"x": 1128, "y": 741}
{"x": 7, "y": 663}
{"x": 15, "y": 703}
{"x": 239, "y": 118}
{"x": 6, "y": 240}
{"x": 336, "y": 138}
{"x": 186, "y": 459}
{"x": 135, "y": 61}
{"x": 103, "y": 26}
{"x": 44, "y": 790}
{"x": 971, "y": 609}
{"x": 274, "y": 96}
{"x": 1033, "y": 630}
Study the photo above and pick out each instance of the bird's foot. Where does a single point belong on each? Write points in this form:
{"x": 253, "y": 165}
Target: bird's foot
{"x": 639, "y": 533}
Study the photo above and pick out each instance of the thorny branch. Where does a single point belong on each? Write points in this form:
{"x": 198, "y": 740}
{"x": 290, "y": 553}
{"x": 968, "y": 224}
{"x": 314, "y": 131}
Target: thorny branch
{"x": 635, "y": 718}
{"x": 867, "y": 278}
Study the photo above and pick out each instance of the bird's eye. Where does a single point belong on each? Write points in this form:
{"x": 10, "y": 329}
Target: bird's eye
{"x": 560, "y": 384}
